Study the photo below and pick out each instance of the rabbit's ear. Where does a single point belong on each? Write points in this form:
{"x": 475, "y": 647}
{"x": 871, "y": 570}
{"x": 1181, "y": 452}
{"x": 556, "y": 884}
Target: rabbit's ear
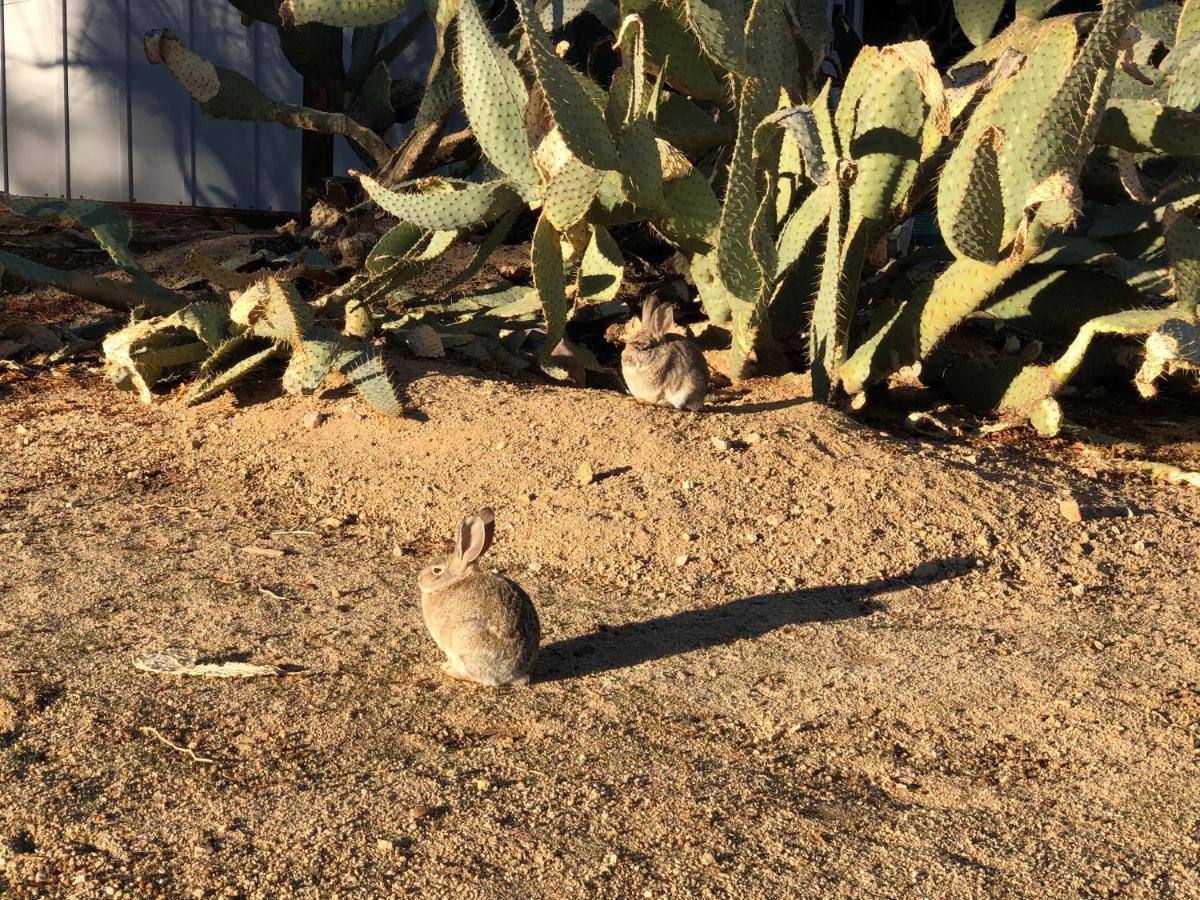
{"x": 664, "y": 319}
{"x": 474, "y": 537}
{"x": 648, "y": 310}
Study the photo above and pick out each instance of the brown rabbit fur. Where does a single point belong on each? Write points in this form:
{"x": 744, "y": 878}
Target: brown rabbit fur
{"x": 485, "y": 624}
{"x": 661, "y": 363}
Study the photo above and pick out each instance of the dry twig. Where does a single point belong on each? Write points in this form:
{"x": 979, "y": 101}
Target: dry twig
{"x": 155, "y": 733}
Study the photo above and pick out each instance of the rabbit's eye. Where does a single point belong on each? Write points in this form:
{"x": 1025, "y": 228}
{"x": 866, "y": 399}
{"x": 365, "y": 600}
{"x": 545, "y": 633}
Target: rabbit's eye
{"x": 438, "y": 570}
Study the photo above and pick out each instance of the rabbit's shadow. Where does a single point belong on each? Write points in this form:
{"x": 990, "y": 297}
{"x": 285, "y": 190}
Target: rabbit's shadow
{"x": 747, "y": 617}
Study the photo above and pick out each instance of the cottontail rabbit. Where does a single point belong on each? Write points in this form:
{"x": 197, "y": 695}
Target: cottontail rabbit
{"x": 660, "y": 362}
{"x": 485, "y": 624}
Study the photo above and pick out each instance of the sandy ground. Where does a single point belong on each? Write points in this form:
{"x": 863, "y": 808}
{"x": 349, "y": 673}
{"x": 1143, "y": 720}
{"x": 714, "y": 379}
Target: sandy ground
{"x": 832, "y": 662}
{"x": 825, "y": 658}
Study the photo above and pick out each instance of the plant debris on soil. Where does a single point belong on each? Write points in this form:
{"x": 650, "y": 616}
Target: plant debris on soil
{"x": 786, "y": 652}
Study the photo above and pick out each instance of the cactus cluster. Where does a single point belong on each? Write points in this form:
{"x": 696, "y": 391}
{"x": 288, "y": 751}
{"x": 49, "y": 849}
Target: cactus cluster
{"x": 1059, "y": 158}
{"x": 264, "y": 319}
{"x": 1105, "y": 157}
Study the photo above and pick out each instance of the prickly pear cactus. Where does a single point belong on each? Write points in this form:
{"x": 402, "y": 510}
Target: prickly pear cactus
{"x": 1011, "y": 181}
{"x": 342, "y": 12}
{"x": 225, "y": 94}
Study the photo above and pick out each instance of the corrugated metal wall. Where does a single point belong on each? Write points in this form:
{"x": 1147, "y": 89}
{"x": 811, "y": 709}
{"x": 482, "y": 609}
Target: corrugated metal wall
{"x": 84, "y": 115}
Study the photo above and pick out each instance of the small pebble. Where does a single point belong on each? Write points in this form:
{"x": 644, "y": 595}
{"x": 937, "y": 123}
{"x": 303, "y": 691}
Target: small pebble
{"x": 314, "y": 419}
{"x": 707, "y": 859}
{"x": 482, "y": 785}
{"x": 753, "y": 537}
{"x": 1077, "y": 590}
{"x": 416, "y": 813}
{"x": 752, "y": 438}
{"x": 682, "y": 560}
{"x": 1070, "y": 511}
{"x": 584, "y": 474}
{"x": 722, "y": 443}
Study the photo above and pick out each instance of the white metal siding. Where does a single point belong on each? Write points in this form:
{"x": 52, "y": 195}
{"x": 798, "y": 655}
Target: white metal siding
{"x": 82, "y": 114}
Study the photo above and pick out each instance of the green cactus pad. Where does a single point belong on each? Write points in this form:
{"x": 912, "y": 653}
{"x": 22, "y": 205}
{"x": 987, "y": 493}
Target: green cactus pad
{"x": 284, "y": 316}
{"x": 556, "y": 14}
{"x": 692, "y": 213}
{"x": 109, "y": 225}
{"x": 494, "y": 97}
{"x": 1189, "y": 21}
{"x": 886, "y": 144}
{"x": 904, "y": 335}
{"x": 970, "y": 203}
{"x": 225, "y": 94}
{"x": 1183, "y": 254}
{"x": 372, "y": 105}
{"x": 342, "y": 13}
{"x": 673, "y": 50}
{"x": 715, "y": 298}
{"x": 978, "y": 18}
{"x": 771, "y": 50}
{"x": 232, "y": 361}
{"x": 719, "y": 27}
{"x": 641, "y": 165}
{"x": 801, "y": 227}
{"x": 444, "y": 205}
{"x": 734, "y": 257}
{"x": 601, "y": 269}
{"x": 398, "y": 243}
{"x": 1067, "y": 126}
{"x": 209, "y": 321}
{"x": 823, "y": 334}
{"x": 1014, "y": 108}
{"x": 570, "y": 192}
{"x": 1054, "y": 303}
{"x": 823, "y": 338}
{"x": 366, "y": 370}
{"x": 684, "y": 124}
{"x": 1144, "y": 126}
{"x": 549, "y": 282}
{"x": 582, "y": 125}
{"x": 312, "y": 360}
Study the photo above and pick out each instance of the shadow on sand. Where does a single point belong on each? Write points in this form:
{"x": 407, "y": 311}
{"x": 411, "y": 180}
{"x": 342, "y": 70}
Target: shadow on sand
{"x": 747, "y": 617}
